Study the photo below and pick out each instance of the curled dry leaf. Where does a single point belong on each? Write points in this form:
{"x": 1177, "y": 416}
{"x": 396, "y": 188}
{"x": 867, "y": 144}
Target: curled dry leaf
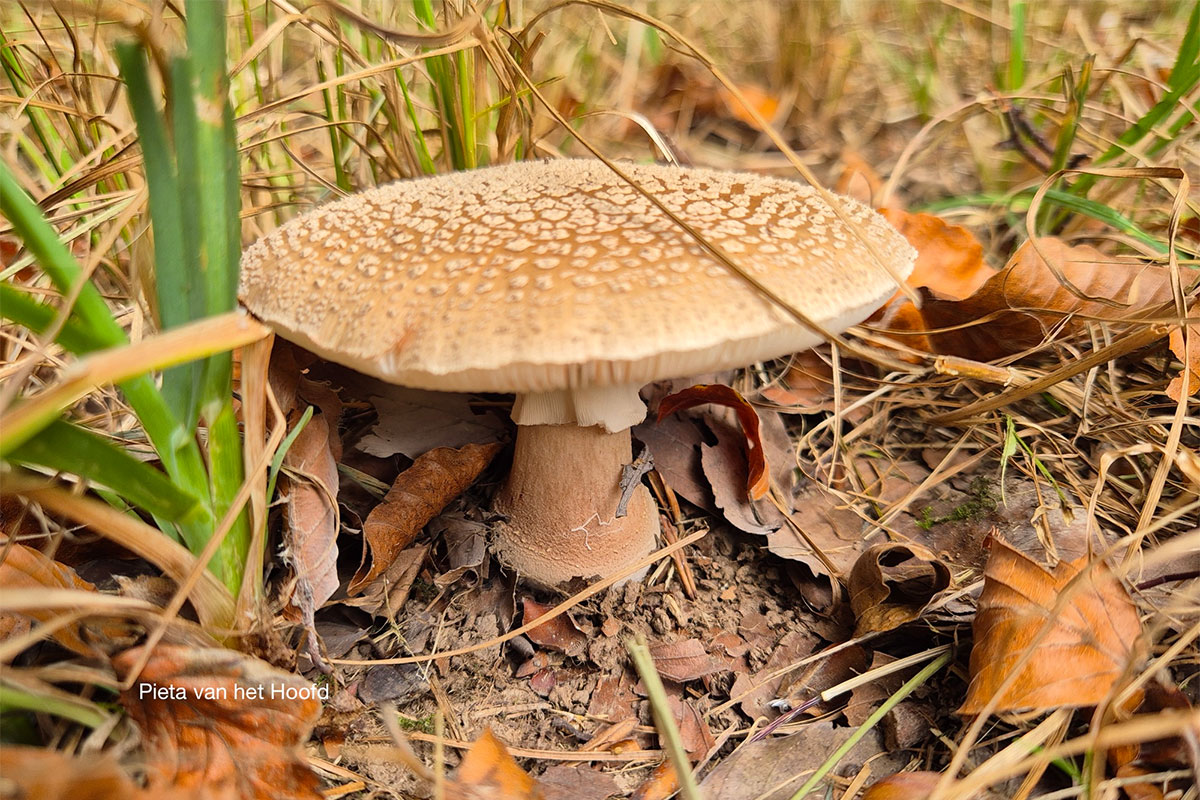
{"x": 26, "y": 568}
{"x": 758, "y": 480}
{"x": 216, "y": 720}
{"x": 559, "y": 633}
{"x": 1078, "y": 621}
{"x": 312, "y": 516}
{"x": 417, "y": 496}
{"x": 892, "y": 583}
{"x": 488, "y": 772}
{"x": 40, "y": 774}
{"x": 1188, "y": 381}
{"x": 949, "y": 257}
{"x": 1018, "y": 307}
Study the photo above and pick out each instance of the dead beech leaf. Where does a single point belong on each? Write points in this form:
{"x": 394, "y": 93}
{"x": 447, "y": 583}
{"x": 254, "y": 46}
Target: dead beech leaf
{"x": 806, "y": 386}
{"x": 214, "y": 719}
{"x": 892, "y": 583}
{"x": 1190, "y": 376}
{"x": 559, "y": 633}
{"x": 1019, "y": 306}
{"x": 37, "y": 773}
{"x": 577, "y": 782}
{"x": 413, "y": 422}
{"x": 26, "y": 568}
{"x": 758, "y": 480}
{"x": 1075, "y": 662}
{"x": 417, "y": 496}
{"x": 904, "y": 786}
{"x": 662, "y": 783}
{"x": 949, "y": 257}
{"x": 312, "y": 516}
{"x": 488, "y": 772}
{"x": 694, "y": 732}
{"x": 684, "y": 661}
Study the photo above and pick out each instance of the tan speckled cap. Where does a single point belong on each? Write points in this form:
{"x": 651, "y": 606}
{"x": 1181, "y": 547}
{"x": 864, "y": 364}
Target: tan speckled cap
{"x": 544, "y": 276}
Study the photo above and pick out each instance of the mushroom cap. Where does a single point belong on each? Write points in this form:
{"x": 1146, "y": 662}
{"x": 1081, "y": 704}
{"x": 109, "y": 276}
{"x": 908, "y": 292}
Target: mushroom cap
{"x": 551, "y": 275}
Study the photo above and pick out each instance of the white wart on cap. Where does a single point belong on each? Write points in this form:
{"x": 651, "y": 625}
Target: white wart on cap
{"x": 560, "y": 283}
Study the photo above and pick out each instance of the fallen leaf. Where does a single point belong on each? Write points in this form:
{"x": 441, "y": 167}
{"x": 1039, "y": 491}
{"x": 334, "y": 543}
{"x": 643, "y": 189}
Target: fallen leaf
{"x": 576, "y": 782}
{"x": 466, "y": 546}
{"x": 234, "y": 729}
{"x": 26, "y": 568}
{"x": 543, "y": 682}
{"x": 674, "y": 444}
{"x": 1087, "y": 642}
{"x": 804, "y": 686}
{"x": 488, "y": 771}
{"x": 386, "y": 595}
{"x": 684, "y": 661}
{"x": 758, "y": 479}
{"x": 949, "y": 257}
{"x": 694, "y": 733}
{"x": 613, "y": 698}
{"x": 560, "y": 633}
{"x": 413, "y": 422}
{"x": 662, "y": 783}
{"x": 1018, "y": 307}
{"x": 311, "y": 530}
{"x": 418, "y": 494}
{"x": 37, "y": 773}
{"x": 1191, "y": 363}
{"x": 724, "y": 467}
{"x": 392, "y": 683}
{"x": 610, "y": 735}
{"x": 904, "y": 786}
{"x": 892, "y": 583}
{"x": 829, "y": 522}
{"x": 806, "y": 386}
{"x": 774, "y": 768}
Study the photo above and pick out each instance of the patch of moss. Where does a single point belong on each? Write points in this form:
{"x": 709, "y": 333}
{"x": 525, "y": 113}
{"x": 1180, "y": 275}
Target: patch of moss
{"x": 423, "y": 724}
{"x": 981, "y": 499}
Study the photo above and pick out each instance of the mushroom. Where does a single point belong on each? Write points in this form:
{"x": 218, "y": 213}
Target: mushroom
{"x": 559, "y": 282}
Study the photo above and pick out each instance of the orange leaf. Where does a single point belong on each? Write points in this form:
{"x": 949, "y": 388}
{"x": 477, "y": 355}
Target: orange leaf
{"x": 891, "y": 584}
{"x": 560, "y": 633}
{"x": 759, "y": 478}
{"x": 40, "y": 774}
{"x": 26, "y": 568}
{"x": 949, "y": 257}
{"x": 1191, "y": 363}
{"x": 904, "y": 786}
{"x": 1080, "y": 646}
{"x": 662, "y": 783}
{"x": 417, "y": 496}
{"x": 488, "y": 771}
{"x": 1018, "y": 307}
{"x": 216, "y": 719}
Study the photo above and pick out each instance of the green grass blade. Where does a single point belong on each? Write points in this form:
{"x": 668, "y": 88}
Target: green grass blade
{"x": 1016, "y": 49}
{"x": 22, "y": 309}
{"x": 69, "y": 448}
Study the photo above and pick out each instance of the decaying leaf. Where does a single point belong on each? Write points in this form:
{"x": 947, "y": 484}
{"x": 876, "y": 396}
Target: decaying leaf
{"x": 41, "y": 774}
{"x": 758, "y": 480}
{"x": 418, "y": 494}
{"x": 684, "y": 661}
{"x": 560, "y": 633}
{"x": 217, "y": 720}
{"x": 1080, "y": 646}
{"x": 576, "y": 782}
{"x": 26, "y": 568}
{"x": 804, "y": 686}
{"x": 661, "y": 784}
{"x": 904, "y": 786}
{"x": 694, "y": 732}
{"x": 806, "y": 386}
{"x": 949, "y": 257}
{"x": 1018, "y": 307}
{"x": 488, "y": 772}
{"x": 1188, "y": 381}
{"x": 312, "y": 515}
{"x": 413, "y": 422}
{"x": 892, "y": 583}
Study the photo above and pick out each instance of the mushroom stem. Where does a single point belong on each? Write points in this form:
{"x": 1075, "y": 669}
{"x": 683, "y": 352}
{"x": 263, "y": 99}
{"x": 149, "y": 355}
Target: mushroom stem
{"x": 561, "y": 499}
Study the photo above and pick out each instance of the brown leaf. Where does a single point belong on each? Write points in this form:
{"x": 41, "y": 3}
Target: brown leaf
{"x": 662, "y": 783}
{"x": 488, "y": 771}
{"x": 417, "y": 496}
{"x": 26, "y": 568}
{"x": 697, "y": 739}
{"x": 413, "y": 422}
{"x": 904, "y": 786}
{"x": 386, "y": 595}
{"x": 209, "y": 720}
{"x": 1075, "y": 663}
{"x": 35, "y": 773}
{"x": 312, "y": 516}
{"x": 576, "y": 782}
{"x": 559, "y": 633}
{"x": 1191, "y": 363}
{"x": 806, "y": 386}
{"x": 949, "y": 257}
{"x": 684, "y": 661}
{"x": 1018, "y": 307}
{"x": 806, "y": 685}
{"x": 758, "y": 480}
{"x": 892, "y": 583}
